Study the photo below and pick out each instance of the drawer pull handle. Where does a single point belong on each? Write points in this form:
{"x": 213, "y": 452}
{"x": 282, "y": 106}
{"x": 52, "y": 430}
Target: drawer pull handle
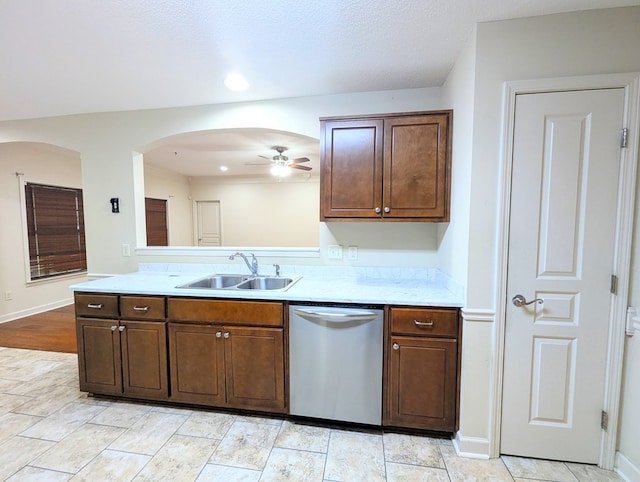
{"x": 95, "y": 306}
{"x": 396, "y": 346}
{"x": 423, "y": 323}
{"x": 140, "y": 308}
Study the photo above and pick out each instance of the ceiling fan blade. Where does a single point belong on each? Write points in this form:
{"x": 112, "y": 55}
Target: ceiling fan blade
{"x": 301, "y": 159}
{"x": 264, "y": 157}
{"x": 258, "y": 163}
{"x": 302, "y": 168}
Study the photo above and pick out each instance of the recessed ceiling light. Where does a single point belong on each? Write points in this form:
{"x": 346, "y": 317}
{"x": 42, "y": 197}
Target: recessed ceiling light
{"x": 236, "y": 82}
{"x": 224, "y": 168}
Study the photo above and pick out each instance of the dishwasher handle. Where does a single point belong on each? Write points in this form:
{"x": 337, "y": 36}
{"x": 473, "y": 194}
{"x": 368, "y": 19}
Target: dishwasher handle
{"x": 338, "y": 316}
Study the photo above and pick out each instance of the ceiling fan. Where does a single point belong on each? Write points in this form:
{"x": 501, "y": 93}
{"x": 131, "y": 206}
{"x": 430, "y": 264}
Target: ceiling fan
{"x": 281, "y": 165}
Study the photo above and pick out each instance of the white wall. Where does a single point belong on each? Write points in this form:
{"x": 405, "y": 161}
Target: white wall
{"x": 175, "y": 189}
{"x": 43, "y": 164}
{"x": 583, "y": 43}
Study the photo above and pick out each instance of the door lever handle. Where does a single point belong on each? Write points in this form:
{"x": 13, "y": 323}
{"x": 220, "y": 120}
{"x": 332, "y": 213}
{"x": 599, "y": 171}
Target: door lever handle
{"x": 519, "y": 300}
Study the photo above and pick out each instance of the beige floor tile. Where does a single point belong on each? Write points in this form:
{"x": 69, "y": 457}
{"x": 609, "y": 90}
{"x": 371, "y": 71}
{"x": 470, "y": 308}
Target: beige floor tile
{"x": 78, "y": 449}
{"x": 246, "y": 445}
{"x": 32, "y": 474}
{"x": 121, "y": 414}
{"x": 207, "y": 424}
{"x": 17, "y": 452}
{"x": 591, "y": 473}
{"x": 412, "y": 450}
{"x": 10, "y": 402}
{"x": 474, "y": 470}
{"x": 14, "y": 423}
{"x": 149, "y": 434}
{"x": 413, "y": 473}
{"x": 60, "y": 424}
{"x": 181, "y": 459}
{"x": 355, "y": 457}
{"x": 538, "y": 469}
{"x": 49, "y": 401}
{"x": 286, "y": 465}
{"x": 303, "y": 437}
{"x": 259, "y": 419}
{"x": 212, "y": 472}
{"x": 111, "y": 465}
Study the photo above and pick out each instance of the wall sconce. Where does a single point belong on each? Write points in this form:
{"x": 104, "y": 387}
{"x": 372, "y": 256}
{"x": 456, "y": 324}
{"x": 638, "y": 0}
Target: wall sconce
{"x": 115, "y": 205}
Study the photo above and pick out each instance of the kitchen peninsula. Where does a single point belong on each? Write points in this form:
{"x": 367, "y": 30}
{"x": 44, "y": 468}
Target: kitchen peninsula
{"x": 142, "y": 336}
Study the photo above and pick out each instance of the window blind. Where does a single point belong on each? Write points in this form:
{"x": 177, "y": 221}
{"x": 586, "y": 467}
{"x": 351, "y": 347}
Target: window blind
{"x": 55, "y": 230}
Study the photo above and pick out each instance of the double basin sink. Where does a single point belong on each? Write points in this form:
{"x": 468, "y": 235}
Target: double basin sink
{"x": 242, "y": 282}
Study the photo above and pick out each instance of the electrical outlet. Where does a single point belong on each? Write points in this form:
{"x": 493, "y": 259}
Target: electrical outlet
{"x": 352, "y": 252}
{"x": 126, "y": 250}
{"x": 335, "y": 251}
{"x": 8, "y": 295}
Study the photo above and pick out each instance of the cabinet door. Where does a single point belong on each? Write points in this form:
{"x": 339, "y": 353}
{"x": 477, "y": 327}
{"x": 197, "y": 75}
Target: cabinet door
{"x": 422, "y": 383}
{"x": 255, "y": 368}
{"x": 99, "y": 363}
{"x": 416, "y": 167}
{"x": 144, "y": 358}
{"x": 351, "y": 170}
{"x": 196, "y": 359}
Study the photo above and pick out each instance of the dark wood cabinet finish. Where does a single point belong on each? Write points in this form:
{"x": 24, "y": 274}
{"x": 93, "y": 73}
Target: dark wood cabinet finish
{"x": 227, "y": 353}
{"x": 392, "y": 167}
{"x": 117, "y": 356}
{"x": 423, "y": 369}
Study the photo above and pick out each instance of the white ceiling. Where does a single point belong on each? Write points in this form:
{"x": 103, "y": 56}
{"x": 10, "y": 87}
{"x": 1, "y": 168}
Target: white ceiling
{"x": 77, "y": 56}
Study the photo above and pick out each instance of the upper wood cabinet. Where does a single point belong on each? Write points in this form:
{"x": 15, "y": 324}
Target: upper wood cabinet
{"x": 394, "y": 167}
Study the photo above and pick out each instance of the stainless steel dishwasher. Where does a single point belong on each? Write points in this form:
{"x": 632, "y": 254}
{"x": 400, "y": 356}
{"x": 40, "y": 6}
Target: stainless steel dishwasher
{"x": 335, "y": 363}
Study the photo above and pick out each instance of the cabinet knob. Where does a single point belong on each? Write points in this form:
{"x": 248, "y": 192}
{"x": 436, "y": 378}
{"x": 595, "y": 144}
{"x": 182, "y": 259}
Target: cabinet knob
{"x": 219, "y": 334}
{"x": 121, "y": 328}
{"x": 114, "y": 327}
{"x": 226, "y": 335}
{"x": 387, "y": 209}
{"x": 396, "y": 346}
{"x": 377, "y": 210}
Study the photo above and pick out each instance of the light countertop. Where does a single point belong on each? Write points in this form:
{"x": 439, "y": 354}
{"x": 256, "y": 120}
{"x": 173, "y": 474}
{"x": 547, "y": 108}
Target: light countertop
{"x": 379, "y": 286}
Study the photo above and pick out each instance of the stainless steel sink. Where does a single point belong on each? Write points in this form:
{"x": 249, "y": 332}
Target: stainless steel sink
{"x": 219, "y": 281}
{"x": 265, "y": 283}
{"x": 242, "y": 282}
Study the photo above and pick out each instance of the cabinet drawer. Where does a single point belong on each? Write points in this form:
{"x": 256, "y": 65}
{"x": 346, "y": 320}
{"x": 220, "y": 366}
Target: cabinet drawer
{"x": 97, "y": 306}
{"x": 428, "y": 322}
{"x": 225, "y": 311}
{"x": 142, "y": 308}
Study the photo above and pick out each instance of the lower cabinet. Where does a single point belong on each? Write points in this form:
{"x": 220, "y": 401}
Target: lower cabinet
{"x": 422, "y": 369}
{"x": 123, "y": 357}
{"x": 227, "y": 363}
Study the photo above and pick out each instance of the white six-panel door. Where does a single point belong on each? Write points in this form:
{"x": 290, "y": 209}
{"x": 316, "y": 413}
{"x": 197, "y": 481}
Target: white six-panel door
{"x": 561, "y": 243}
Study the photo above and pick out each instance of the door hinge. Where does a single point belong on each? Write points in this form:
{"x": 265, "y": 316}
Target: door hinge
{"x": 604, "y": 420}
{"x": 624, "y": 133}
{"x": 614, "y": 284}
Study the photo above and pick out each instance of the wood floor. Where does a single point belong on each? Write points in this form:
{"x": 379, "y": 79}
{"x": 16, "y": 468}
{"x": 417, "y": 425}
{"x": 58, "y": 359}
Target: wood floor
{"x": 53, "y": 330}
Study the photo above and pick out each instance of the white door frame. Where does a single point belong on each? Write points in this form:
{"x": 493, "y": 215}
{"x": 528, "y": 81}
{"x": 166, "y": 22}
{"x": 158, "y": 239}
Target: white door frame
{"x": 622, "y": 256}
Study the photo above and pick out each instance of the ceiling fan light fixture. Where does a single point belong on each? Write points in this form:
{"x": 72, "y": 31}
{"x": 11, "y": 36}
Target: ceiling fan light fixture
{"x": 236, "y": 82}
{"x": 280, "y": 170}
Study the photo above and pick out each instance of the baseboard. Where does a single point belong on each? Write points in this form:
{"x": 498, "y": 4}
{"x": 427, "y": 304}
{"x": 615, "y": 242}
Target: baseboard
{"x": 626, "y": 469}
{"x": 472, "y": 447}
{"x": 35, "y": 310}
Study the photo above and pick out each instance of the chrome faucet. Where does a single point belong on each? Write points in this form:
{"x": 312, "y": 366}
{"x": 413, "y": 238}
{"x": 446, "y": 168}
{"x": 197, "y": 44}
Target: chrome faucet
{"x": 253, "y": 266}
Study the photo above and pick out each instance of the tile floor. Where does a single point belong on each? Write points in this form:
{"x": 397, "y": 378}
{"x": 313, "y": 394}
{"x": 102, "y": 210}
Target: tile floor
{"x": 50, "y": 431}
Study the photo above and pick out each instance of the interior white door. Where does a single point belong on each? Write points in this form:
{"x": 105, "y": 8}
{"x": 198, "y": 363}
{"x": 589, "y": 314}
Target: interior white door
{"x": 561, "y": 244}
{"x": 208, "y": 223}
